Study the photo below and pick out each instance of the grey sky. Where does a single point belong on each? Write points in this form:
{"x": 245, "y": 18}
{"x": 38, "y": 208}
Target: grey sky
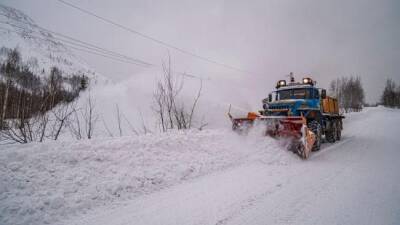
{"x": 326, "y": 39}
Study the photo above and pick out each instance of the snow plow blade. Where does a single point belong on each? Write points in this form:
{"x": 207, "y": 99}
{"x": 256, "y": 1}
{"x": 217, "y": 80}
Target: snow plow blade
{"x": 293, "y": 128}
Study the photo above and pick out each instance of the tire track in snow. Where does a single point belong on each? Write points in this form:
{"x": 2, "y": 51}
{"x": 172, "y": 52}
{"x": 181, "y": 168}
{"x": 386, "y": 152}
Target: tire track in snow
{"x": 246, "y": 204}
{"x": 297, "y": 204}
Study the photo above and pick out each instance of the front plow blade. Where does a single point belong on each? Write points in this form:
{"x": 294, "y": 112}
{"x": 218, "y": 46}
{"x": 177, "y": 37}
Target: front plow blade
{"x": 293, "y": 128}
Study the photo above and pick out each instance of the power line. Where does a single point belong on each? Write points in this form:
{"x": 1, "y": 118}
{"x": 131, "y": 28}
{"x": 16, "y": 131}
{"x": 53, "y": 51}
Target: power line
{"x": 108, "y": 53}
{"x": 75, "y": 47}
{"x": 91, "y": 46}
{"x": 90, "y": 50}
{"x": 153, "y": 39}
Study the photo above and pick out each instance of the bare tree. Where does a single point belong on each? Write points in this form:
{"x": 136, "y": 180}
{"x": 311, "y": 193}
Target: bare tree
{"x": 43, "y": 121}
{"x": 389, "y": 95}
{"x": 350, "y": 93}
{"x": 202, "y": 124}
{"x": 106, "y": 127}
{"x": 119, "y": 120}
{"x": 11, "y": 67}
{"x": 74, "y": 124}
{"x": 171, "y": 111}
{"x": 27, "y": 100}
{"x": 195, "y": 104}
{"x": 54, "y": 85}
{"x": 397, "y": 102}
{"x": 19, "y": 130}
{"x": 159, "y": 106}
{"x": 24, "y": 130}
{"x": 130, "y": 125}
{"x": 90, "y": 117}
{"x": 144, "y": 126}
{"x": 61, "y": 115}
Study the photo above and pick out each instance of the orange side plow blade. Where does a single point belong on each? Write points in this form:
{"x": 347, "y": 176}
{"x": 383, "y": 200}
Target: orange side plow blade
{"x": 291, "y": 127}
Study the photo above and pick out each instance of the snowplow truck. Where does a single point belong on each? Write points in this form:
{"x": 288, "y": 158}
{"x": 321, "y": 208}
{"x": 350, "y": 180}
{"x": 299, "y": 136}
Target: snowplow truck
{"x": 299, "y": 112}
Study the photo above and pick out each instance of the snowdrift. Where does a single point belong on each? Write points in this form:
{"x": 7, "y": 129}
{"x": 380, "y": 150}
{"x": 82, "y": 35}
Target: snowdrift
{"x": 43, "y": 183}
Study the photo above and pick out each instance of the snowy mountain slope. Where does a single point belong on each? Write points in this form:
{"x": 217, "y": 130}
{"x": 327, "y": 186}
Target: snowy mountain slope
{"x": 38, "y": 47}
{"x": 207, "y": 177}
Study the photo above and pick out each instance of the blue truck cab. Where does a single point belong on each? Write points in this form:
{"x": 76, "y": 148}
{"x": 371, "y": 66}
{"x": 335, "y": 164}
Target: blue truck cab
{"x": 294, "y": 99}
{"x": 306, "y": 100}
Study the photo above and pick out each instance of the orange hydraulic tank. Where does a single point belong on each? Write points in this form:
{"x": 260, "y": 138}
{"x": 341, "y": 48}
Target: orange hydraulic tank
{"x": 330, "y": 105}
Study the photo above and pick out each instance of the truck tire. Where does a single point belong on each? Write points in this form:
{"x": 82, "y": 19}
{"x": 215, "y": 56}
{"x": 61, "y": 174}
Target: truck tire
{"x": 338, "y": 131}
{"x": 315, "y": 127}
{"x": 330, "y": 135}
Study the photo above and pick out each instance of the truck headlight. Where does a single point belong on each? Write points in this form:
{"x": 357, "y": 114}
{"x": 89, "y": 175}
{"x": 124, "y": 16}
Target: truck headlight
{"x": 307, "y": 80}
{"x": 281, "y": 83}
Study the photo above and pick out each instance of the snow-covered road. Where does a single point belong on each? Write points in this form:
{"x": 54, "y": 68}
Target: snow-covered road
{"x": 355, "y": 181}
{"x": 208, "y": 177}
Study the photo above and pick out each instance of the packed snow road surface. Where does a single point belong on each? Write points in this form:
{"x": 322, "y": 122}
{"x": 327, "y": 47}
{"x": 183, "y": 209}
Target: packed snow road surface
{"x": 212, "y": 177}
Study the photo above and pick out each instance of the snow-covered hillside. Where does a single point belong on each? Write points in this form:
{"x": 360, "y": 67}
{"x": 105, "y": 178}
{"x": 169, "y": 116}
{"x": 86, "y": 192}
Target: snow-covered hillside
{"x": 206, "y": 177}
{"x": 37, "y": 46}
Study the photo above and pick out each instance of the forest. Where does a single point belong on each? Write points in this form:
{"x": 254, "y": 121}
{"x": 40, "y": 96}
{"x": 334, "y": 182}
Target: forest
{"x": 26, "y": 98}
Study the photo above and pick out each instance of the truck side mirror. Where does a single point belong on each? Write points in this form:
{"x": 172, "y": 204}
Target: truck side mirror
{"x": 323, "y": 94}
{"x": 270, "y": 98}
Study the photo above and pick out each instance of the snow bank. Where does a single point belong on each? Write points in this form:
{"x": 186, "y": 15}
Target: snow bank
{"x": 43, "y": 183}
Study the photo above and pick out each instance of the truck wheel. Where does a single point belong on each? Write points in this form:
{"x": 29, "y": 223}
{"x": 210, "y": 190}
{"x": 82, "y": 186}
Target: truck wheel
{"x": 315, "y": 127}
{"x": 331, "y": 134}
{"x": 338, "y": 131}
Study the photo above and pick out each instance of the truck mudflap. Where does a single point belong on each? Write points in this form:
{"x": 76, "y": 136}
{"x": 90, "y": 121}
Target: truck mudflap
{"x": 293, "y": 128}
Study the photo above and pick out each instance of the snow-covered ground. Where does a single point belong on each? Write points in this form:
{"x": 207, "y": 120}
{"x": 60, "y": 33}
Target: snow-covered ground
{"x": 41, "y": 183}
{"x": 206, "y": 177}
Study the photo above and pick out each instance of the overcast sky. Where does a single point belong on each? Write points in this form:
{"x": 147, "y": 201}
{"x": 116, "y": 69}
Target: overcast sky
{"x": 326, "y": 39}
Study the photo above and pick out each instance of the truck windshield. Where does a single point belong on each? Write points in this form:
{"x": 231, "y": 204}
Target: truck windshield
{"x": 300, "y": 93}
